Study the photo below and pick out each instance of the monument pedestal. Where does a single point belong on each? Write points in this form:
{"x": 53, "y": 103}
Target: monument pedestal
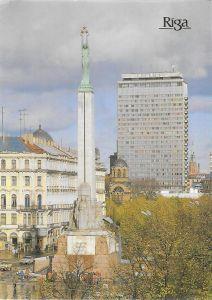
{"x": 91, "y": 250}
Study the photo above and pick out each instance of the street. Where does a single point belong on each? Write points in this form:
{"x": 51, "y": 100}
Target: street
{"x": 25, "y": 288}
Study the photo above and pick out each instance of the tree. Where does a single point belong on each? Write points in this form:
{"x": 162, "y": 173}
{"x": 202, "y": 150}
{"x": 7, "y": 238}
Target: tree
{"x": 75, "y": 283}
{"x": 146, "y": 187}
{"x": 167, "y": 246}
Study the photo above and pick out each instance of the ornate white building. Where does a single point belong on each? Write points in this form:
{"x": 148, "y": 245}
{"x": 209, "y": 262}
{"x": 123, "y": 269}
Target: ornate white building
{"x": 38, "y": 188}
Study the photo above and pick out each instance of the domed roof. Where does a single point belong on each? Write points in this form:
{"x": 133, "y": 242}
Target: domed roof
{"x": 42, "y": 134}
{"x": 120, "y": 163}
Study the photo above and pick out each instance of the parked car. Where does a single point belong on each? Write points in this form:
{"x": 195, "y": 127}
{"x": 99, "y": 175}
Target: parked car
{"x": 4, "y": 266}
{"x": 27, "y": 260}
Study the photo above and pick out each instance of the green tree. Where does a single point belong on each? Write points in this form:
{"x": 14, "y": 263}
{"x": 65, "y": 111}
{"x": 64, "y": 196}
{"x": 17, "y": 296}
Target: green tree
{"x": 167, "y": 245}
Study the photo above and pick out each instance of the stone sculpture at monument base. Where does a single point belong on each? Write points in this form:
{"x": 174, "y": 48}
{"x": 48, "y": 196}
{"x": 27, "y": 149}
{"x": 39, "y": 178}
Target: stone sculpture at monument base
{"x": 93, "y": 250}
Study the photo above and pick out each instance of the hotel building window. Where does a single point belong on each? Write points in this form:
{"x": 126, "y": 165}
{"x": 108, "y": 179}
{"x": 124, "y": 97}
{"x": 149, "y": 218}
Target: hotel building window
{"x": 26, "y": 164}
{"x": 39, "y": 181}
{"x": 3, "y": 164}
{"x": 39, "y": 201}
{"x": 3, "y": 180}
{"x": 29, "y": 219}
{"x": 14, "y": 201}
{"x": 3, "y": 201}
{"x": 41, "y": 218}
{"x": 27, "y": 181}
{"x": 27, "y": 200}
{"x": 25, "y": 219}
{"x": 37, "y": 218}
{"x": 14, "y": 181}
{"x": 13, "y": 164}
{"x": 39, "y": 164}
{"x": 14, "y": 219}
{"x": 3, "y": 219}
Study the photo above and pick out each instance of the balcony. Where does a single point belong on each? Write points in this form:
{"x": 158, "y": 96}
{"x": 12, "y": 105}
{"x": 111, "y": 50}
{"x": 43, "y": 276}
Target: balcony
{"x": 26, "y": 227}
{"x": 64, "y": 223}
{"x": 42, "y": 232}
{"x": 32, "y": 207}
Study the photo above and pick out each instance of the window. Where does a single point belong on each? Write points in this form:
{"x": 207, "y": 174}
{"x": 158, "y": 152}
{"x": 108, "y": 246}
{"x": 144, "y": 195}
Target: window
{"x": 26, "y": 164}
{"x": 41, "y": 217}
{"x": 14, "y": 219}
{"x": 37, "y": 218}
{"x": 3, "y": 219}
{"x": 3, "y": 164}
{"x": 29, "y": 219}
{"x": 27, "y": 200}
{"x": 39, "y": 201}
{"x": 13, "y": 164}
{"x": 39, "y": 181}
{"x": 14, "y": 181}
{"x": 3, "y": 201}
{"x": 25, "y": 219}
{"x": 14, "y": 201}
{"x": 3, "y": 180}
{"x": 27, "y": 181}
{"x": 39, "y": 164}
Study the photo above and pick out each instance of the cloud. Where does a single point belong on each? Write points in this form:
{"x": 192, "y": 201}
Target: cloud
{"x": 53, "y": 109}
{"x": 40, "y": 58}
{"x": 40, "y": 42}
{"x": 200, "y": 104}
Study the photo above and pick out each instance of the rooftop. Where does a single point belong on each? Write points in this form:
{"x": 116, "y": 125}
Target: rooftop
{"x": 13, "y": 144}
{"x": 158, "y": 75}
{"x": 120, "y": 163}
{"x": 42, "y": 134}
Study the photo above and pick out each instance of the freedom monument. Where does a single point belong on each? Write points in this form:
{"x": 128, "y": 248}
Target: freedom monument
{"x": 88, "y": 240}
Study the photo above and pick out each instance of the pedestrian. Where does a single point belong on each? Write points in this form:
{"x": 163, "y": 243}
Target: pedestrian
{"x": 27, "y": 273}
{"x": 14, "y": 289}
{"x": 21, "y": 274}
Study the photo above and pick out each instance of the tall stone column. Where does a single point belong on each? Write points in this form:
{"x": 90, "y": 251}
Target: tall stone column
{"x": 86, "y": 143}
{"x": 90, "y": 242}
{"x": 86, "y": 202}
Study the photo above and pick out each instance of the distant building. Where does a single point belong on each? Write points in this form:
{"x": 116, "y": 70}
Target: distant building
{"x": 191, "y": 194}
{"x": 206, "y": 184}
{"x": 193, "y": 173}
{"x": 194, "y": 168}
{"x": 118, "y": 185}
{"x": 153, "y": 127}
{"x": 37, "y": 189}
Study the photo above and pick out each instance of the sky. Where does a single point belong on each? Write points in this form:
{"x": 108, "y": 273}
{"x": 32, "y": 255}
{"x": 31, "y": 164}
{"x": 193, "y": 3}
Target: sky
{"x": 40, "y": 63}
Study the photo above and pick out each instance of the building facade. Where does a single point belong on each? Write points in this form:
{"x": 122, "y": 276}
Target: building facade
{"x": 153, "y": 127}
{"x": 38, "y": 188}
{"x": 207, "y": 184}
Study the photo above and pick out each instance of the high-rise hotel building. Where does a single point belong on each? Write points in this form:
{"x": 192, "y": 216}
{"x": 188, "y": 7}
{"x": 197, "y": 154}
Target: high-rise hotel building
{"x": 153, "y": 127}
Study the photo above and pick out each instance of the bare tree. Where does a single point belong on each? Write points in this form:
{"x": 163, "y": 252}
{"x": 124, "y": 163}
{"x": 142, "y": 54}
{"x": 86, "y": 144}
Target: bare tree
{"x": 74, "y": 281}
{"x": 147, "y": 187}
